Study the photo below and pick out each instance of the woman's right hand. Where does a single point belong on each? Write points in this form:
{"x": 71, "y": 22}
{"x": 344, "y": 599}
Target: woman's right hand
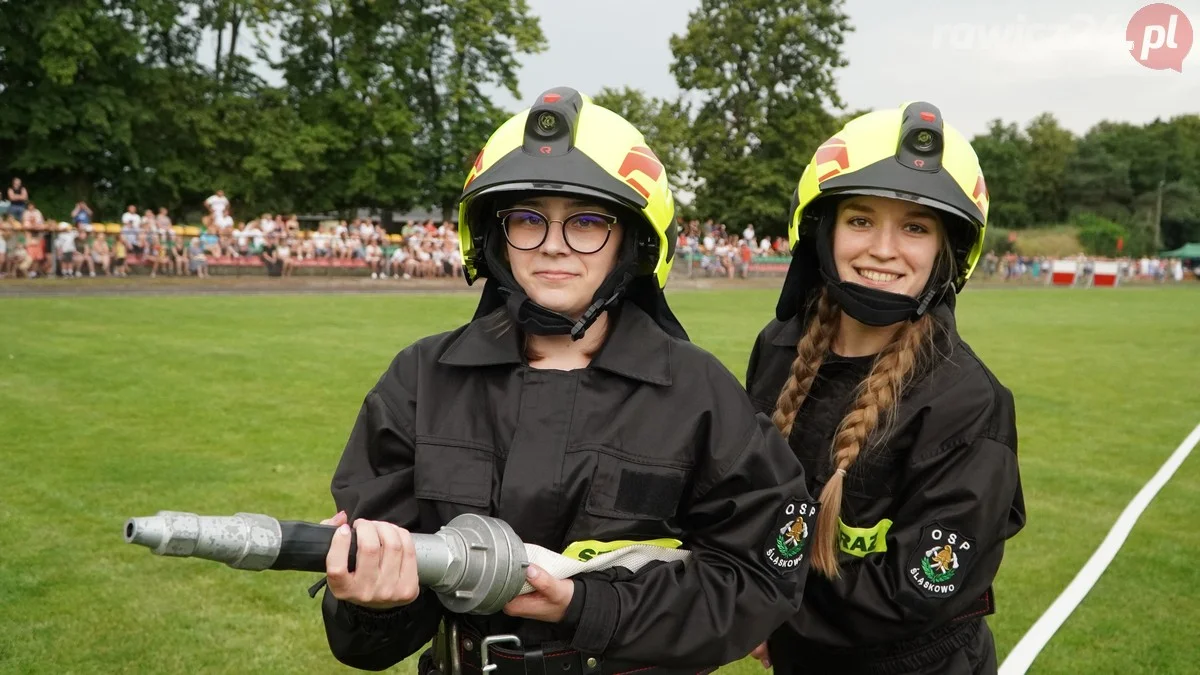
{"x": 385, "y": 572}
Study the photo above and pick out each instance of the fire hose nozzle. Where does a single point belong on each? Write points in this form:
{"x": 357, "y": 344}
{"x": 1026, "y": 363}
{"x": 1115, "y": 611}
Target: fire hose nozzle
{"x": 475, "y": 564}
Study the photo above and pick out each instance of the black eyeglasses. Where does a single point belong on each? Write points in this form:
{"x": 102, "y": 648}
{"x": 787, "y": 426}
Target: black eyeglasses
{"x": 585, "y": 232}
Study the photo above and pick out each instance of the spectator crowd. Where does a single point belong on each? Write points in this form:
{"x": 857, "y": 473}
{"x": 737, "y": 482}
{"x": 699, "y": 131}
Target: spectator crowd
{"x": 711, "y": 250}
{"x": 1014, "y": 267}
{"x": 33, "y": 246}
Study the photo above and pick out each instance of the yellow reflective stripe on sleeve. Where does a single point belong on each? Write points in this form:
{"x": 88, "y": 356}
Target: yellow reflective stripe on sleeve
{"x": 859, "y": 541}
{"x": 586, "y": 550}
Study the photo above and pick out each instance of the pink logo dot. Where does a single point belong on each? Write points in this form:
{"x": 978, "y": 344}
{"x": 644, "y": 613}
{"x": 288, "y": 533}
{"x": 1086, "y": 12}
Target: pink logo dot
{"x": 1159, "y": 37}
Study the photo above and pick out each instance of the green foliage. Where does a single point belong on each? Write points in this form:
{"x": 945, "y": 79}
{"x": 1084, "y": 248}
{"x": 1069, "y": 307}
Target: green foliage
{"x": 762, "y": 71}
{"x": 1180, "y": 213}
{"x": 997, "y": 240}
{"x": 383, "y": 103}
{"x": 1044, "y": 174}
{"x": 1098, "y": 235}
{"x": 1003, "y": 153}
{"x": 1098, "y": 182}
{"x": 1050, "y": 149}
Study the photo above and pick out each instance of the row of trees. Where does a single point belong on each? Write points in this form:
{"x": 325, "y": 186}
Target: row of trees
{"x": 1124, "y": 186}
{"x": 384, "y": 103}
{"x": 376, "y": 103}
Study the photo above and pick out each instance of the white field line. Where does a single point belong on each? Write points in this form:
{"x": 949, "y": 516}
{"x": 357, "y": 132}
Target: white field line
{"x": 1039, "y": 634}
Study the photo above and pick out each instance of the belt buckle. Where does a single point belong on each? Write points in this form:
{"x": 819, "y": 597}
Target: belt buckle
{"x": 488, "y": 642}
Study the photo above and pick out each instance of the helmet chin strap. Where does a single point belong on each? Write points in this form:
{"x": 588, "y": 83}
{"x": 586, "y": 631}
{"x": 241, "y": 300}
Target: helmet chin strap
{"x": 872, "y": 306}
{"x": 536, "y": 319}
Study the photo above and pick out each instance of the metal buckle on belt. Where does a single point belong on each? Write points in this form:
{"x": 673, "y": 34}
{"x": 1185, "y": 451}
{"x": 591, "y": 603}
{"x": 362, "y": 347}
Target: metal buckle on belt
{"x": 445, "y": 649}
{"x": 488, "y": 642}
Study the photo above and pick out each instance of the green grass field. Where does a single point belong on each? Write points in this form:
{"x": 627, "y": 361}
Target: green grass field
{"x": 112, "y": 407}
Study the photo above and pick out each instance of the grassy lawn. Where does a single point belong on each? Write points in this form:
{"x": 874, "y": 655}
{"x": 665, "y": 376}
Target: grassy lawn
{"x": 112, "y": 407}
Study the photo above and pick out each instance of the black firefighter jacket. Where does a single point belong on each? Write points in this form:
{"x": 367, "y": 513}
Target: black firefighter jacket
{"x": 655, "y": 439}
{"x": 924, "y": 516}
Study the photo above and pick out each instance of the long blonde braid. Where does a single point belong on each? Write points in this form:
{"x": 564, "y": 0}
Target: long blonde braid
{"x": 810, "y": 354}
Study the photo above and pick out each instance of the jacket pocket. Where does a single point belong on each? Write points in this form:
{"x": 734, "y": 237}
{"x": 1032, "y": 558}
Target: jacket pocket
{"x": 632, "y": 489}
{"x": 453, "y": 471}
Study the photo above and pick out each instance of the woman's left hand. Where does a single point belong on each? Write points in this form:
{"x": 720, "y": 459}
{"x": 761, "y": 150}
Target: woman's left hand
{"x": 549, "y": 600}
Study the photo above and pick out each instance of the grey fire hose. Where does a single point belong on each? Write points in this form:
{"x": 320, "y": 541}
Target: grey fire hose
{"x": 475, "y": 564}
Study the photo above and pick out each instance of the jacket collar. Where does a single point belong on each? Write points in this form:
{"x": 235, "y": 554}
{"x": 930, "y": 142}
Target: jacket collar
{"x": 489, "y": 340}
{"x": 636, "y": 348}
{"x": 789, "y": 333}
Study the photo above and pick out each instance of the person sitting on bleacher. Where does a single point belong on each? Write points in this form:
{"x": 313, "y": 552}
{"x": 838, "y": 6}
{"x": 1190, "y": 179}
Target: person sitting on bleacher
{"x": 211, "y": 243}
{"x": 374, "y": 258}
{"x": 338, "y": 249}
{"x": 305, "y": 249}
{"x": 287, "y": 256}
{"x": 321, "y": 243}
{"x": 452, "y": 256}
{"x": 254, "y": 234}
{"x": 269, "y": 254}
{"x": 424, "y": 260}
{"x": 33, "y": 249}
{"x": 159, "y": 255}
{"x": 227, "y": 244}
{"x": 178, "y": 256}
{"x": 21, "y": 263}
{"x": 84, "y": 257}
{"x": 401, "y": 263}
{"x": 120, "y": 257}
{"x": 99, "y": 252}
{"x": 198, "y": 264}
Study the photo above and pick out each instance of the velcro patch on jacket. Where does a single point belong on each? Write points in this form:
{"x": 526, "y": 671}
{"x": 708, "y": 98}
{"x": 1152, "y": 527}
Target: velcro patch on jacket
{"x": 648, "y": 493}
{"x": 939, "y": 563}
{"x": 859, "y": 541}
{"x": 786, "y": 543}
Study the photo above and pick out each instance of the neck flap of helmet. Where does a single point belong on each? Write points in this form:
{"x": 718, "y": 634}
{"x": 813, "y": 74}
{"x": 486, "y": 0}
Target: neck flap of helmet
{"x": 872, "y": 306}
{"x": 813, "y": 267}
{"x": 624, "y": 282}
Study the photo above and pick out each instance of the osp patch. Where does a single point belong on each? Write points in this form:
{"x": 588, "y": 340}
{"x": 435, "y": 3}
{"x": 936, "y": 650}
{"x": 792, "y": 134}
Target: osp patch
{"x": 785, "y": 546}
{"x": 939, "y": 562}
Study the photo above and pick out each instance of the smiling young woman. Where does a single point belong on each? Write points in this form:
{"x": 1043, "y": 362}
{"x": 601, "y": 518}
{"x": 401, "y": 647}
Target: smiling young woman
{"x": 907, "y": 437}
